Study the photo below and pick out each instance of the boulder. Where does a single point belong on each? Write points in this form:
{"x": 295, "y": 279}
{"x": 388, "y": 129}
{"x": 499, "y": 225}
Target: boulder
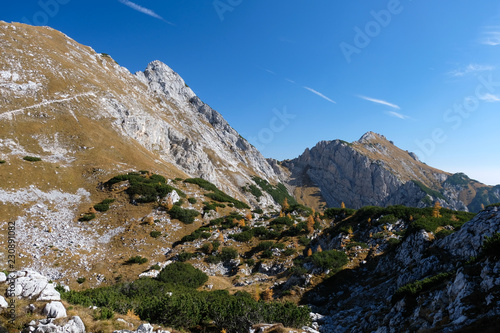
{"x": 54, "y": 310}
{"x": 49, "y": 293}
{"x": 3, "y": 277}
{"x": 145, "y": 328}
{"x": 3, "y": 303}
{"x": 30, "y": 284}
{"x": 74, "y": 325}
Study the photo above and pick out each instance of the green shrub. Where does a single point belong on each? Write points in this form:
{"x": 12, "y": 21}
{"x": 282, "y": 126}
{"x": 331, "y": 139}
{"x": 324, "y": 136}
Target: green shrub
{"x": 250, "y": 262}
{"x": 334, "y": 212}
{"x": 267, "y": 245}
{"x": 87, "y": 217}
{"x": 279, "y": 192}
{"x": 289, "y": 252}
{"x": 103, "y": 314}
{"x": 354, "y": 244}
{"x": 282, "y": 221}
{"x": 429, "y": 191}
{"x": 393, "y": 241}
{"x": 155, "y": 234}
{"x": 266, "y": 254}
{"x": 182, "y": 307}
{"x": 415, "y": 288}
{"x": 182, "y": 274}
{"x": 144, "y": 189}
{"x": 387, "y": 219}
{"x": 330, "y": 259}
{"x": 204, "y": 184}
{"x": 101, "y": 207}
{"x": 255, "y": 191}
{"x": 192, "y": 201}
{"x": 184, "y": 215}
{"x": 185, "y": 256}
{"x": 81, "y": 280}
{"x": 136, "y": 260}
{"x": 197, "y": 234}
{"x": 244, "y": 236}
{"x": 155, "y": 267}
{"x": 304, "y": 241}
{"x": 3, "y": 161}
{"x": 32, "y": 159}
{"x": 491, "y": 246}
{"x": 258, "y": 211}
{"x": 228, "y": 253}
{"x": 212, "y": 206}
{"x": 223, "y": 197}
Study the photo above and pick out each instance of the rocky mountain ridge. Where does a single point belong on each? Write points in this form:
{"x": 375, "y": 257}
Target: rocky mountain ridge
{"x": 373, "y": 171}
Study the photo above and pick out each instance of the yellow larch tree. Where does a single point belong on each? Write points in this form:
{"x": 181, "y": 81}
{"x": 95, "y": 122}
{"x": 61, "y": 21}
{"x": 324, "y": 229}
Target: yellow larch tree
{"x": 436, "y": 210}
{"x": 285, "y": 205}
{"x": 310, "y": 224}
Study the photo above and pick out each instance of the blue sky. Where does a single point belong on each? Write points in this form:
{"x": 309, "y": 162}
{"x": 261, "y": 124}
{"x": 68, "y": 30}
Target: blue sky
{"x": 289, "y": 73}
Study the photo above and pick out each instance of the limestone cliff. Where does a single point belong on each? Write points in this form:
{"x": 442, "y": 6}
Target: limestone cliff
{"x": 373, "y": 171}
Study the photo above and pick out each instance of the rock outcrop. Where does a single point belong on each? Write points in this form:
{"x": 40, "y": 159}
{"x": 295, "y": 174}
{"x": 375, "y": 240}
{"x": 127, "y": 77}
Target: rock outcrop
{"x": 465, "y": 293}
{"x": 73, "y": 325}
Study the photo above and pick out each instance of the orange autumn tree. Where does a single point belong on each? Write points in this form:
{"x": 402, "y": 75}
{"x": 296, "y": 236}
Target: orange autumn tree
{"x": 437, "y": 208}
{"x": 309, "y": 252}
{"x": 342, "y": 205}
{"x": 267, "y": 295}
{"x": 285, "y": 205}
{"x": 310, "y": 224}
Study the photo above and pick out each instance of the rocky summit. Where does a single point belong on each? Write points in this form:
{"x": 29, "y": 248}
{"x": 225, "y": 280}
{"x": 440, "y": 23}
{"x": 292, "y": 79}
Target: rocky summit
{"x": 130, "y": 205}
{"x": 373, "y": 171}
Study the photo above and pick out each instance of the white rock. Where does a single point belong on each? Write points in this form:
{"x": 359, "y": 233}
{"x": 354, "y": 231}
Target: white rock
{"x": 49, "y": 293}
{"x": 54, "y": 310}
{"x": 3, "y": 277}
{"x": 145, "y": 328}
{"x": 3, "y": 303}
{"x": 74, "y": 325}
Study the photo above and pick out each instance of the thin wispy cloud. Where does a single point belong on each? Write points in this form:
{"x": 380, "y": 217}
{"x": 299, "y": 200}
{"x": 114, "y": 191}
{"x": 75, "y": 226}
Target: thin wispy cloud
{"x": 470, "y": 69}
{"x": 397, "y": 115}
{"x": 319, "y": 94}
{"x": 269, "y": 71}
{"x": 379, "y": 101}
{"x": 490, "y": 36}
{"x": 143, "y": 10}
{"x": 490, "y": 98}
{"x": 290, "y": 80}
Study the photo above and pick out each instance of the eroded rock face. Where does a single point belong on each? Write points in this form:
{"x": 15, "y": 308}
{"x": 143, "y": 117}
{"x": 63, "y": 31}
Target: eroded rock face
{"x": 374, "y": 172}
{"x": 31, "y": 284}
{"x": 469, "y": 293}
{"x": 74, "y": 325}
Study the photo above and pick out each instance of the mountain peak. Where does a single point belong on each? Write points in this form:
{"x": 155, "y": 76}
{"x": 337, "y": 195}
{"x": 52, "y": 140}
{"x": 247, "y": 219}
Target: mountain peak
{"x": 370, "y": 137}
{"x": 161, "y": 78}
